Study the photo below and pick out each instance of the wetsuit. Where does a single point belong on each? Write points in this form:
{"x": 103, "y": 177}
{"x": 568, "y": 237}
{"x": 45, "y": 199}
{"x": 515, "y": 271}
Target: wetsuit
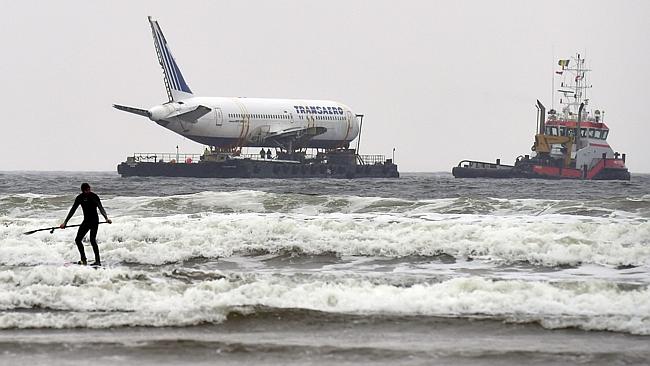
{"x": 89, "y": 204}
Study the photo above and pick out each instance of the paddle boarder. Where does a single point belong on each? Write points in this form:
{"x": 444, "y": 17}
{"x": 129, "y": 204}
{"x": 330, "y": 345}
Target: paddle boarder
{"x": 89, "y": 203}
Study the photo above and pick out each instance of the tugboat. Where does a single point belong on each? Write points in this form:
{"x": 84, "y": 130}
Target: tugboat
{"x": 569, "y": 144}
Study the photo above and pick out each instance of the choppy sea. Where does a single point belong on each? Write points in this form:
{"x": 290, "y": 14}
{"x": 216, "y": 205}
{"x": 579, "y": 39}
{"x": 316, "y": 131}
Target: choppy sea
{"x": 411, "y": 271}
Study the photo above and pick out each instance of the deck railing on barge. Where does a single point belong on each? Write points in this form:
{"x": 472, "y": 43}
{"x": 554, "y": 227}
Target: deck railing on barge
{"x": 371, "y": 159}
{"x": 164, "y": 158}
{"x": 182, "y": 158}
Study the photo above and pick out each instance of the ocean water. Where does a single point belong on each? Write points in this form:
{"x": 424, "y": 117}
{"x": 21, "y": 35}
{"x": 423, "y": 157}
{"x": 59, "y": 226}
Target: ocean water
{"x": 417, "y": 270}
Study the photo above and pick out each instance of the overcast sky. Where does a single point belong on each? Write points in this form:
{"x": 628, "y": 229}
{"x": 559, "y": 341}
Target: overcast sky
{"x": 439, "y": 81}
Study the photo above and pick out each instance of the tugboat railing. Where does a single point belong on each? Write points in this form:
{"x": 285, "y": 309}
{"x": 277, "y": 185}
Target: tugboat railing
{"x": 482, "y": 164}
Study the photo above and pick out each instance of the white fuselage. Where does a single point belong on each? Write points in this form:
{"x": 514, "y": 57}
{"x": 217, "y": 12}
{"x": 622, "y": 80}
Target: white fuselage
{"x": 247, "y": 121}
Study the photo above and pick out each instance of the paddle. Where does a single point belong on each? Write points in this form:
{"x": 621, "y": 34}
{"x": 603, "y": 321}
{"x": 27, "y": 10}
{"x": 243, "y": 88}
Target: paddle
{"x": 51, "y": 229}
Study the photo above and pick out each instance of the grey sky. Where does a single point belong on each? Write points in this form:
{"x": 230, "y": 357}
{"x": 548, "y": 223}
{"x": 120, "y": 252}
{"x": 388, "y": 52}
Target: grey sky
{"x": 440, "y": 81}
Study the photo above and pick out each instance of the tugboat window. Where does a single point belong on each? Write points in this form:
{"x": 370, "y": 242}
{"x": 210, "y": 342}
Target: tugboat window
{"x": 605, "y": 132}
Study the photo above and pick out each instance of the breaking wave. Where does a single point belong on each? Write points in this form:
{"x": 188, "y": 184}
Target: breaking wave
{"x": 547, "y": 240}
{"x": 52, "y": 206}
{"x": 57, "y": 297}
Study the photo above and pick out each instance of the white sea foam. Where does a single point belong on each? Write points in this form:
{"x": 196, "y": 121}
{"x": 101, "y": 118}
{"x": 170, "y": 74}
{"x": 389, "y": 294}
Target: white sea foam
{"x": 49, "y": 206}
{"x": 119, "y": 297}
{"x": 548, "y": 240}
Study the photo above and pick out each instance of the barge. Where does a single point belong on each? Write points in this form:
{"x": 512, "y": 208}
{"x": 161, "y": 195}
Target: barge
{"x": 342, "y": 163}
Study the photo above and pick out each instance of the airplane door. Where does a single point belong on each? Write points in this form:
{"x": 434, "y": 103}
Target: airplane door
{"x": 349, "y": 118}
{"x": 218, "y": 116}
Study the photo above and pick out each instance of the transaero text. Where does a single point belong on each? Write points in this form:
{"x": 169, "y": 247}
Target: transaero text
{"x": 317, "y": 109}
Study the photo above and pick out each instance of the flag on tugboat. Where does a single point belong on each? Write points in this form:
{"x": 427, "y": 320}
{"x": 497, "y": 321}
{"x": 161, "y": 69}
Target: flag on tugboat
{"x": 563, "y": 63}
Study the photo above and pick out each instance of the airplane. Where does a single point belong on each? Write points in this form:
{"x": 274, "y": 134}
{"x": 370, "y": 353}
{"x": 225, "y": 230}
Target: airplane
{"x": 235, "y": 122}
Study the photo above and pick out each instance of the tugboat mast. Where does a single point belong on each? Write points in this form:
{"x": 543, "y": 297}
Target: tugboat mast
{"x": 573, "y": 90}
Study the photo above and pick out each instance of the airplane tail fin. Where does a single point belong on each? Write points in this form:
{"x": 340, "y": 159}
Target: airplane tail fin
{"x": 175, "y": 84}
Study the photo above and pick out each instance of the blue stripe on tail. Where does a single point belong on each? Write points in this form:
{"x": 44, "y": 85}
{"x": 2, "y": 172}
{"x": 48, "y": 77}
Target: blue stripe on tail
{"x": 172, "y": 71}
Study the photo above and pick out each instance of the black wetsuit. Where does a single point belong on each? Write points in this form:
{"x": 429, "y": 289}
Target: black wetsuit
{"x": 89, "y": 204}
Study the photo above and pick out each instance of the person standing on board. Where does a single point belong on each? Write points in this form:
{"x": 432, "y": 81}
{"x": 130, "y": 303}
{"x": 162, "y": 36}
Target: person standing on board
{"x": 89, "y": 203}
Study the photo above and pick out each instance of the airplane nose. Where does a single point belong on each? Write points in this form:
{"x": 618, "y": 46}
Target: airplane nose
{"x": 157, "y": 113}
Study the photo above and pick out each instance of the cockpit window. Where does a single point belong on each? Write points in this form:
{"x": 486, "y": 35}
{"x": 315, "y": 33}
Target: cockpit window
{"x": 597, "y": 133}
{"x": 604, "y": 135}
